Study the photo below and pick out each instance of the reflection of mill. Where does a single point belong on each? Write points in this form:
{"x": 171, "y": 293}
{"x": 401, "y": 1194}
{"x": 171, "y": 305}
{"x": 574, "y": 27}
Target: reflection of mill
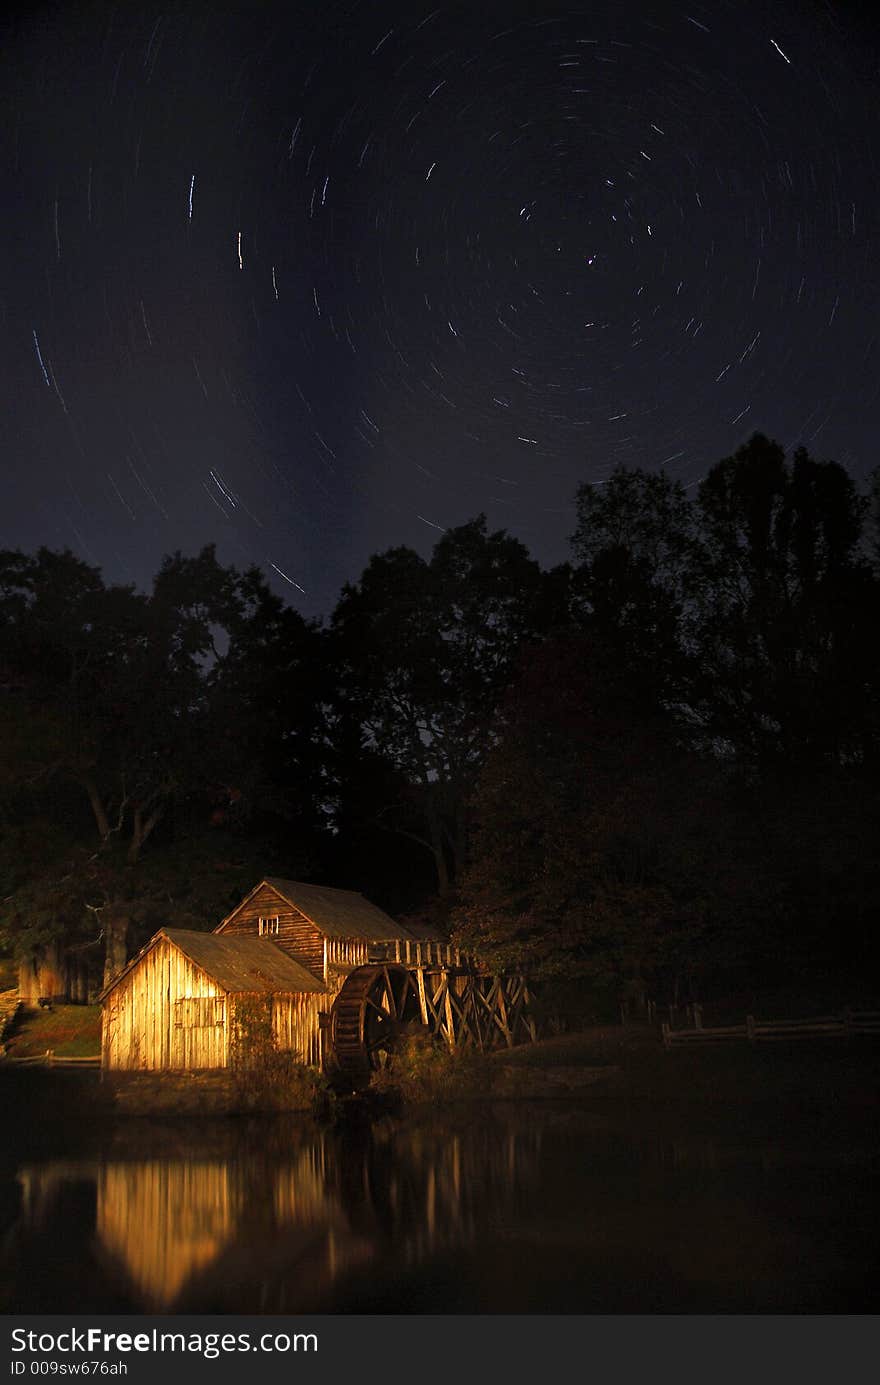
{"x": 164, "y": 1221}
{"x": 167, "y": 1221}
{"x": 275, "y": 1232}
{"x": 426, "y": 1187}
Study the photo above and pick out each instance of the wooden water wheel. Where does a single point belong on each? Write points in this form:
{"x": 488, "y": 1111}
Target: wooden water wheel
{"x": 377, "y": 1007}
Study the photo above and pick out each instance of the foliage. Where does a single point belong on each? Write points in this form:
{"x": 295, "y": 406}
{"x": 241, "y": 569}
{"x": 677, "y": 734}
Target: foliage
{"x": 602, "y": 845}
{"x": 425, "y": 1070}
{"x": 265, "y": 699}
{"x": 749, "y": 610}
{"x": 784, "y": 613}
{"x": 657, "y": 763}
{"x": 423, "y": 651}
{"x": 814, "y": 850}
{"x": 122, "y": 755}
{"x": 645, "y": 514}
{"x": 127, "y": 690}
{"x": 635, "y": 541}
{"x": 745, "y": 619}
{"x": 57, "y": 889}
{"x": 264, "y": 1077}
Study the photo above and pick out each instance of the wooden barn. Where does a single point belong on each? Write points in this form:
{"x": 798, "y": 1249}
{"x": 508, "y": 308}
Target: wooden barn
{"x": 288, "y": 943}
{"x": 174, "y": 1005}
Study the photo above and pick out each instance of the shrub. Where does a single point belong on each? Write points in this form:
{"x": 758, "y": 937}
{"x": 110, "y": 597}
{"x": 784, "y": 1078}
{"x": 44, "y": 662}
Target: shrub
{"x": 264, "y": 1077}
{"x": 424, "y": 1069}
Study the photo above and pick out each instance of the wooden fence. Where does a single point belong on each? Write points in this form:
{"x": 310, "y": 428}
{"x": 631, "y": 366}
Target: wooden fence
{"x": 50, "y": 1060}
{"x": 847, "y": 1024}
{"x": 10, "y": 1009}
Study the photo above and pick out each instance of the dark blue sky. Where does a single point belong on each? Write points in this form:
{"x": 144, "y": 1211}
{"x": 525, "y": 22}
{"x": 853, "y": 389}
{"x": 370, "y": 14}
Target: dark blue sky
{"x": 312, "y": 280}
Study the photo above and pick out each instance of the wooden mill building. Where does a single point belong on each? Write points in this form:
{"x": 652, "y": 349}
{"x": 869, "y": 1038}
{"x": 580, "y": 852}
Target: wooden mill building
{"x": 328, "y": 931}
{"x": 287, "y": 944}
{"x": 341, "y": 981}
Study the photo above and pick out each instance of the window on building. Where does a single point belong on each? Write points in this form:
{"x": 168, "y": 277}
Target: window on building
{"x": 200, "y": 1012}
{"x": 268, "y": 928}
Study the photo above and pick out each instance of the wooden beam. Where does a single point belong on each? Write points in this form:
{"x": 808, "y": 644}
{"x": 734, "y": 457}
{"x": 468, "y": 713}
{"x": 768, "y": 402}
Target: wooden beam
{"x": 423, "y": 999}
{"x": 450, "y": 1022}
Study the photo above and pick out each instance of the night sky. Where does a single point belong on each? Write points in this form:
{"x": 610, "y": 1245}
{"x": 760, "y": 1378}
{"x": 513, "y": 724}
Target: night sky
{"x": 309, "y": 280}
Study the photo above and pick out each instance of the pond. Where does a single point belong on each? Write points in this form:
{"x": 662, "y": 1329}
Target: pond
{"x": 537, "y": 1208}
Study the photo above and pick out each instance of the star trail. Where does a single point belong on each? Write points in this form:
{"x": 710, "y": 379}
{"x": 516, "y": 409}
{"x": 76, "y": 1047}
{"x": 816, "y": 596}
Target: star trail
{"x": 312, "y": 280}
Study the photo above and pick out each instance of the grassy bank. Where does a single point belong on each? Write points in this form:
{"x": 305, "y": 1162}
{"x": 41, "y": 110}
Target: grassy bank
{"x": 823, "y": 1086}
{"x": 56, "y": 1097}
{"x": 220, "y": 1092}
{"x": 69, "y": 1031}
{"x": 624, "y": 1075}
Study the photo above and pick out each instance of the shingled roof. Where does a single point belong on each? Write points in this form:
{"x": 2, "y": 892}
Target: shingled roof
{"x": 335, "y": 913}
{"x": 237, "y": 964}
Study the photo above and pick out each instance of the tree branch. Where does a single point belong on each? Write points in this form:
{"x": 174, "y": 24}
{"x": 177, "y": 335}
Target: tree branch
{"x": 101, "y": 820}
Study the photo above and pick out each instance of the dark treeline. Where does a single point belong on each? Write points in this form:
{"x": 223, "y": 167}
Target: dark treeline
{"x": 654, "y": 769}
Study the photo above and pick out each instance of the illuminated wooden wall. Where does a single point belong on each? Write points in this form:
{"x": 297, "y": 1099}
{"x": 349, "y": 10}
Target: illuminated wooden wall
{"x": 169, "y": 1013}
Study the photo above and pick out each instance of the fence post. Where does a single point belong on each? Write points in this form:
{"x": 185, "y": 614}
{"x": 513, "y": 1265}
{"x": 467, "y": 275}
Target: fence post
{"x": 750, "y": 1028}
{"x": 847, "y": 1022}
{"x": 698, "y": 1016}
{"x": 664, "y": 1029}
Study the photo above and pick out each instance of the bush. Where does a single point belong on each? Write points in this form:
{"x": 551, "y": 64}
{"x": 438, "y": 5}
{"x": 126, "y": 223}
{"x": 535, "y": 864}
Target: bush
{"x": 264, "y": 1077}
{"x": 423, "y": 1069}
{"x": 564, "y": 1006}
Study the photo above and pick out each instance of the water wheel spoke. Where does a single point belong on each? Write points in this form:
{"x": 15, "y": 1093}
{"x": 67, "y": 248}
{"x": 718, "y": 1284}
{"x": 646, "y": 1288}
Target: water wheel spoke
{"x": 380, "y": 1009}
{"x": 408, "y": 994}
{"x": 390, "y": 997}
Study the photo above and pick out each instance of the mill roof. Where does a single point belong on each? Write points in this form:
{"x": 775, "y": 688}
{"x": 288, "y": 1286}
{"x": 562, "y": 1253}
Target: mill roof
{"x": 335, "y": 913}
{"x": 237, "y": 964}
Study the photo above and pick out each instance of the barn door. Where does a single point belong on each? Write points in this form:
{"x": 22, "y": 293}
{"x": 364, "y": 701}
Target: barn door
{"x": 198, "y": 1032}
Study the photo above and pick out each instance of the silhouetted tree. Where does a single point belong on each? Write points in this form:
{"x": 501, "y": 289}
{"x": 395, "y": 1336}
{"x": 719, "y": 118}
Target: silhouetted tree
{"x": 118, "y": 689}
{"x": 424, "y": 650}
{"x": 635, "y": 544}
{"x": 784, "y": 613}
{"x": 602, "y": 848}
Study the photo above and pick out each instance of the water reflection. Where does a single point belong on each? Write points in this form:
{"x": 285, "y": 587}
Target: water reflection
{"x": 542, "y": 1212}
